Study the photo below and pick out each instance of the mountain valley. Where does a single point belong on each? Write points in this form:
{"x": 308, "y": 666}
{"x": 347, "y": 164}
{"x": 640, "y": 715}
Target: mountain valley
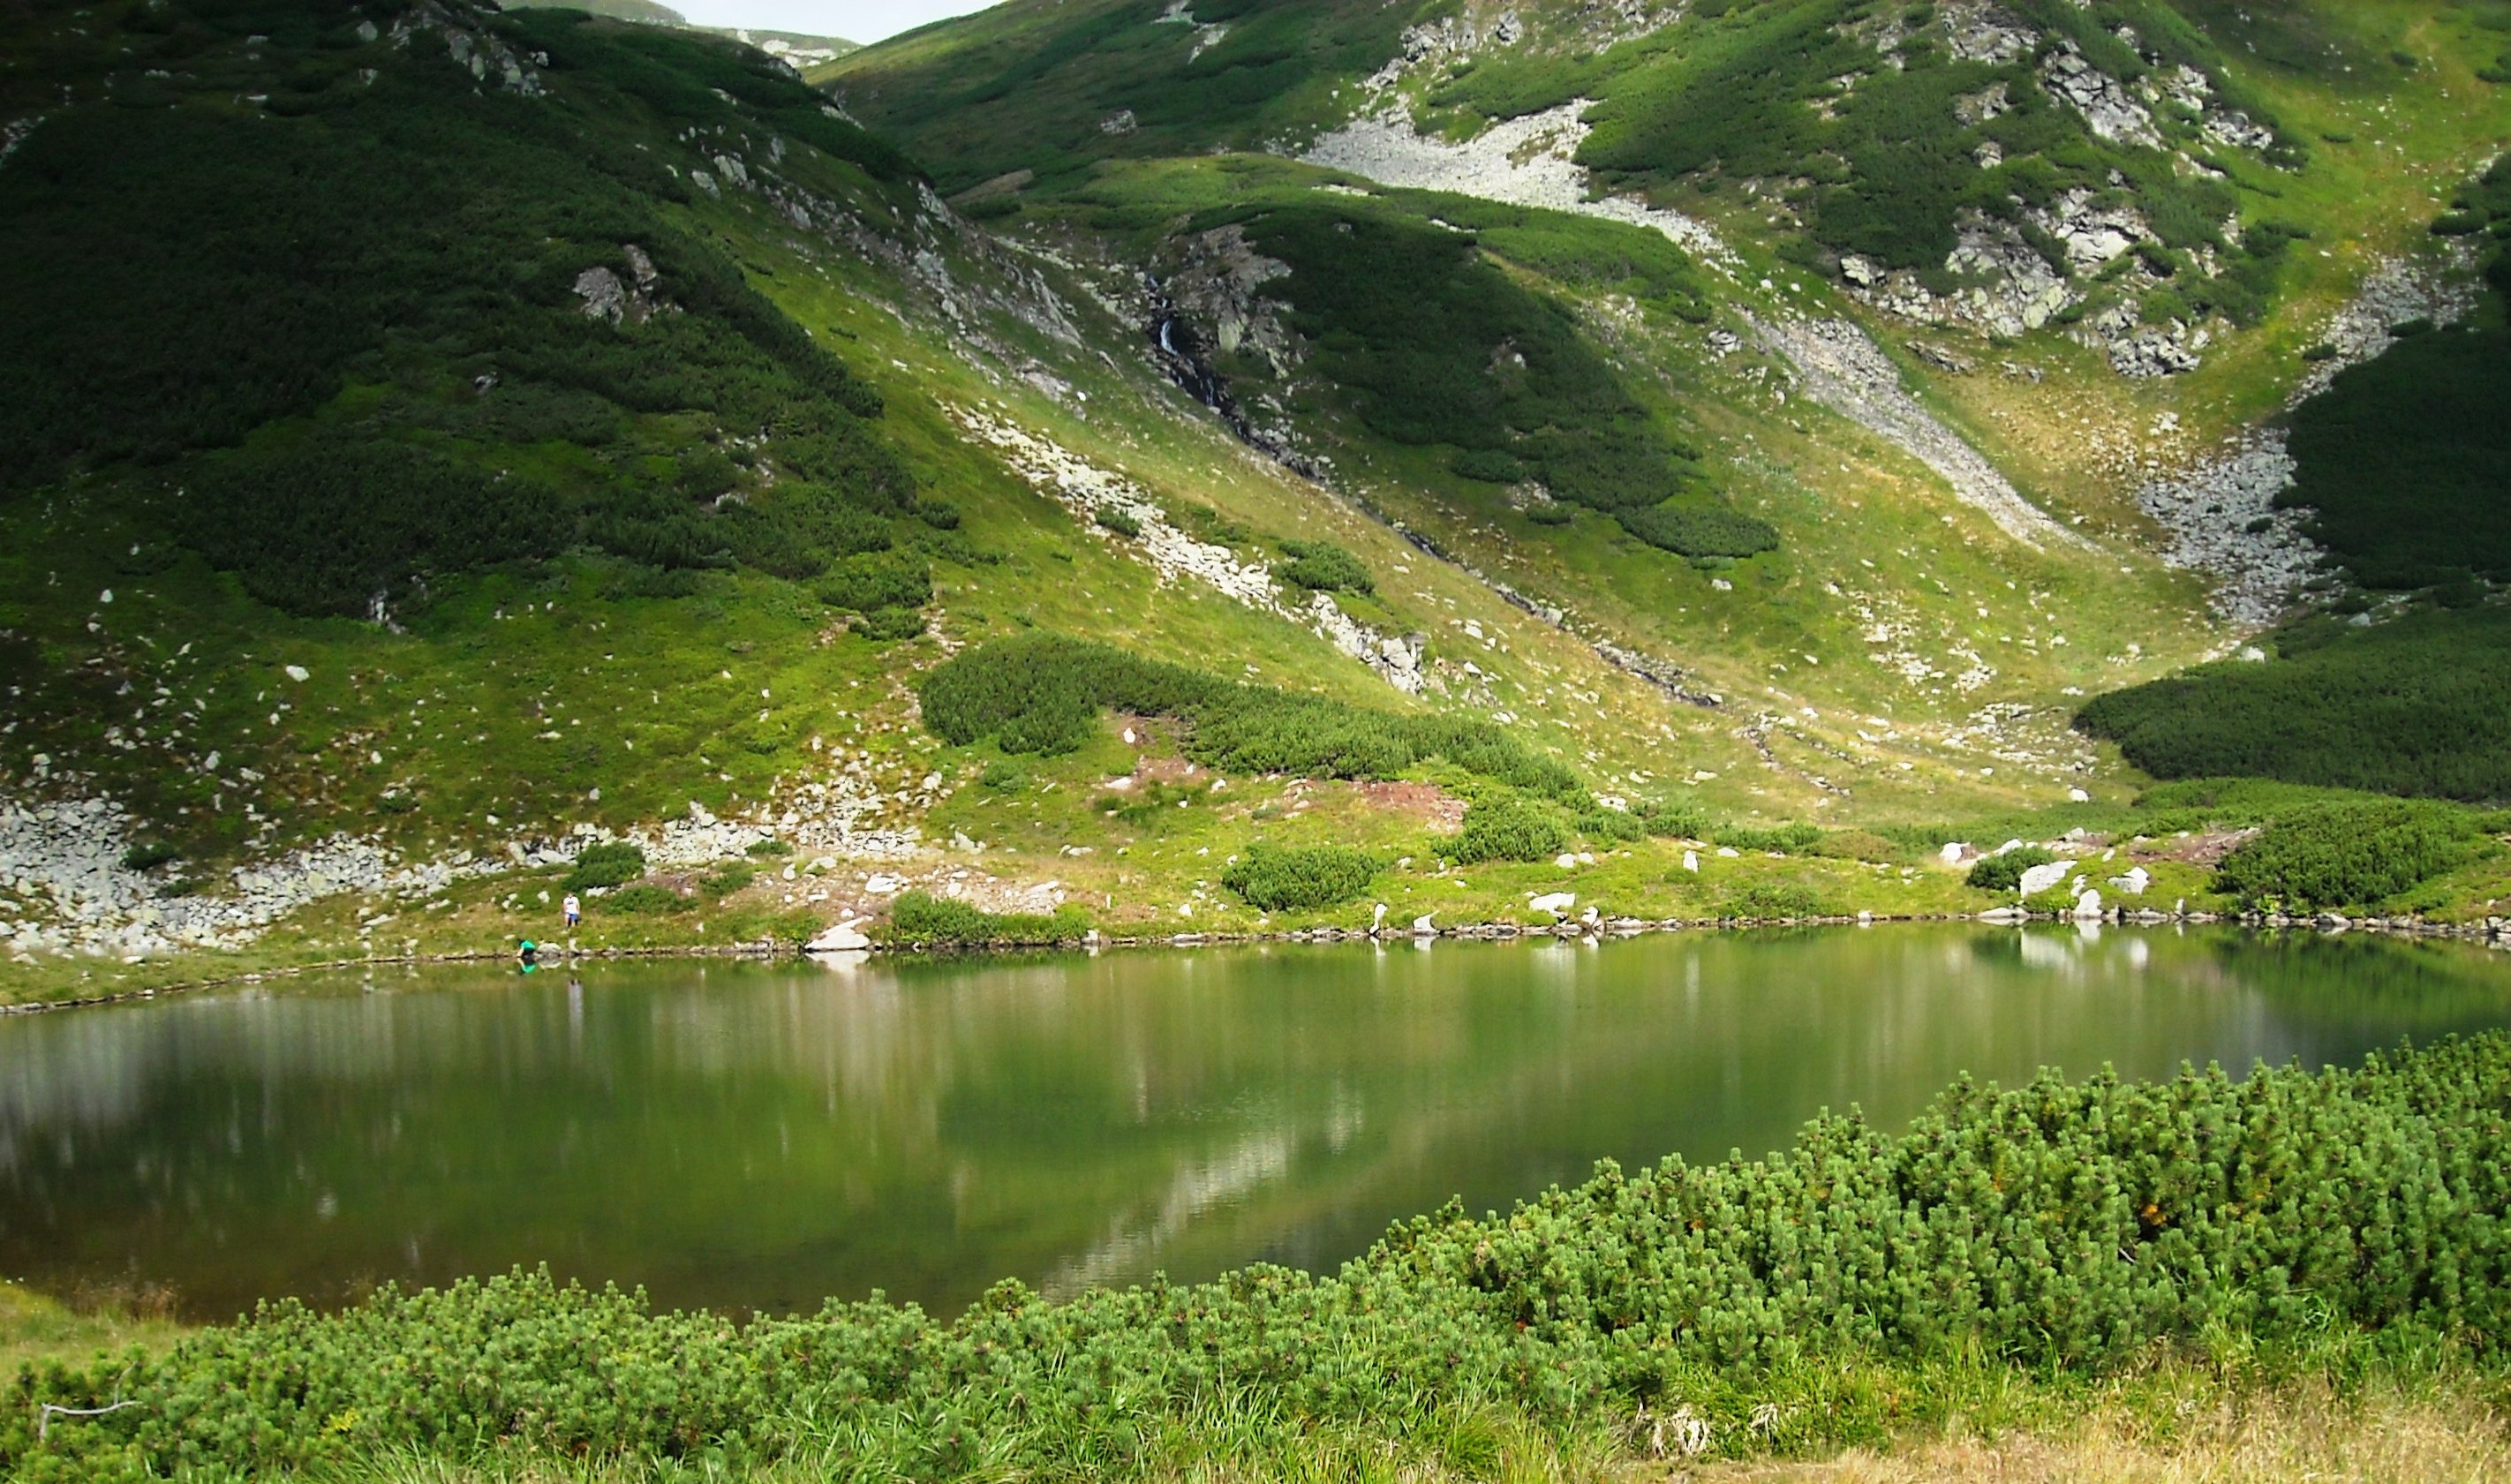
{"x": 1823, "y": 432}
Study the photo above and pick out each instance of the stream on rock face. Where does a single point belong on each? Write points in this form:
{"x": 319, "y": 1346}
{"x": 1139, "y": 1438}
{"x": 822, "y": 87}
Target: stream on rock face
{"x": 763, "y": 1137}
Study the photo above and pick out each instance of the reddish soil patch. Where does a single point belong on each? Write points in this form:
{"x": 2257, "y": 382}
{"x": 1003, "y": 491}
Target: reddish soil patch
{"x": 1155, "y": 740}
{"x": 2208, "y": 848}
{"x": 1429, "y": 802}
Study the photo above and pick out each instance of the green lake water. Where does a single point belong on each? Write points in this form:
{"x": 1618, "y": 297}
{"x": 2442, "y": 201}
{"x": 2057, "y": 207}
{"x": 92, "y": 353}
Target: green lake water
{"x": 751, "y": 1136}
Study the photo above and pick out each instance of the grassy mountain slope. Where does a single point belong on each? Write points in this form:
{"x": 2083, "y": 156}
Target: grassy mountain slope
{"x": 1053, "y": 89}
{"x": 611, "y": 558}
{"x": 2402, "y": 684}
{"x": 1858, "y": 159}
{"x": 558, "y": 425}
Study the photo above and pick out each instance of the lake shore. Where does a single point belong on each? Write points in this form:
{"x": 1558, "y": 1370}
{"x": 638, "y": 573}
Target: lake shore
{"x": 2494, "y": 933}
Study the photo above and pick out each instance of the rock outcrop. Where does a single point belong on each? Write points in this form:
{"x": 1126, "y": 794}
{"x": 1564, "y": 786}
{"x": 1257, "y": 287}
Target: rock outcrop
{"x": 2109, "y": 110}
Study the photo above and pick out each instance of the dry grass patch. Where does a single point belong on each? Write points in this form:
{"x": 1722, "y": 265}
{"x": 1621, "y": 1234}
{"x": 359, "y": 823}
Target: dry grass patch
{"x": 35, "y": 1329}
{"x": 2304, "y": 1437}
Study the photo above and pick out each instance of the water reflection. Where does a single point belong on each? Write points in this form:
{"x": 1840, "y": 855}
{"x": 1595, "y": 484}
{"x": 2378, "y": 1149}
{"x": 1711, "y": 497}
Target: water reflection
{"x": 745, "y": 1136}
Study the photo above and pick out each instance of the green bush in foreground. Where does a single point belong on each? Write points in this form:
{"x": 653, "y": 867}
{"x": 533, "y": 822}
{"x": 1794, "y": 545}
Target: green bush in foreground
{"x": 2067, "y": 1227}
{"x": 2004, "y": 873}
{"x": 642, "y": 901}
{"x": 612, "y": 864}
{"x": 2348, "y": 853}
{"x": 1786, "y": 839}
{"x": 888, "y": 625}
{"x": 875, "y": 580}
{"x": 1673, "y": 818}
{"x": 1274, "y": 878}
{"x": 2418, "y": 705}
{"x": 922, "y": 920}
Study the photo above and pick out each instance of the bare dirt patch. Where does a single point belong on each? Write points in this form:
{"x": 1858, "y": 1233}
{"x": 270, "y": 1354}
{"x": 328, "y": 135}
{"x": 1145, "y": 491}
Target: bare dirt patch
{"x": 2206, "y": 848}
{"x": 1433, "y": 806}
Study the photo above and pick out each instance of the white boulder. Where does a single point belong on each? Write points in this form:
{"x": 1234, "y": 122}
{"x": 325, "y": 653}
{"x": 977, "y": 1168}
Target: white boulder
{"x": 2040, "y": 878}
{"x": 845, "y": 937}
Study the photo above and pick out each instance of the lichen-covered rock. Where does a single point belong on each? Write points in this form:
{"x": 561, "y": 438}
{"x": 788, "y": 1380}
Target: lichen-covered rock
{"x": 2108, "y": 109}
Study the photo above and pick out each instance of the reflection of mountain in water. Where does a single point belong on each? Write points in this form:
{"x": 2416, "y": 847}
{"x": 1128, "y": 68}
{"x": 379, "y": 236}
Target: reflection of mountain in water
{"x": 747, "y": 1136}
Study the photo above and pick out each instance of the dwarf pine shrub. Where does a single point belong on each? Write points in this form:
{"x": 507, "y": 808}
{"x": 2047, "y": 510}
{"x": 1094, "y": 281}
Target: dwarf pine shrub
{"x": 1509, "y": 829}
{"x": 1321, "y": 566}
{"x": 1701, "y": 532}
{"x": 1765, "y": 900}
{"x": 1786, "y": 839}
{"x": 1044, "y": 693}
{"x": 1274, "y": 878}
{"x": 922, "y": 920}
{"x": 2004, "y": 873}
{"x": 2347, "y": 852}
{"x": 642, "y": 901}
{"x": 613, "y": 862}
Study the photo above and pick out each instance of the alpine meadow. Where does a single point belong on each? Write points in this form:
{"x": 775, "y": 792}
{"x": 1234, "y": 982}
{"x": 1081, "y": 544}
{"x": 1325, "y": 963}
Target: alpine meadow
{"x": 1222, "y": 740}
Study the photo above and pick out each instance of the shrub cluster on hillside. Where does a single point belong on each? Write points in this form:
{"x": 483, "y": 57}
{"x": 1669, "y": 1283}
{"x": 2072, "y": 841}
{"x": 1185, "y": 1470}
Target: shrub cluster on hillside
{"x": 1700, "y": 532}
{"x": 921, "y": 920}
{"x": 1430, "y": 342}
{"x": 1775, "y": 901}
{"x": 396, "y": 253}
{"x": 2348, "y": 853}
{"x": 2058, "y": 1225}
{"x": 2418, "y": 705}
{"x": 2003, "y": 872}
{"x": 1321, "y": 566}
{"x": 884, "y": 590}
{"x": 1274, "y": 878}
{"x": 1503, "y": 828}
{"x": 611, "y": 863}
{"x": 1785, "y": 839}
{"x": 2403, "y": 460}
{"x": 1044, "y": 693}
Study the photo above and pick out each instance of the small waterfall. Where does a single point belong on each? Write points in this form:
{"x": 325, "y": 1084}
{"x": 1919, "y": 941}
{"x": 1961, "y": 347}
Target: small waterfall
{"x": 1181, "y": 356}
{"x": 1180, "y": 353}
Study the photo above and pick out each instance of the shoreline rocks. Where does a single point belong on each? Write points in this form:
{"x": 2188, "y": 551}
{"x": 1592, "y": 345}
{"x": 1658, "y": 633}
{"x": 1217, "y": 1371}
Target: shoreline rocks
{"x": 2493, "y": 932}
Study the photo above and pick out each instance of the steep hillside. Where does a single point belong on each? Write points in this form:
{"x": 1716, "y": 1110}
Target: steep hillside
{"x": 794, "y": 48}
{"x": 2399, "y": 683}
{"x": 439, "y": 441}
{"x": 456, "y": 524}
{"x": 2050, "y": 254}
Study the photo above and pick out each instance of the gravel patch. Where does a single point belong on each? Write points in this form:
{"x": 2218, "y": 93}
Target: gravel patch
{"x": 2218, "y": 514}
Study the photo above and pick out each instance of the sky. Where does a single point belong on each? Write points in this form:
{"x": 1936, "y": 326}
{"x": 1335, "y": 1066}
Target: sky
{"x": 864, "y": 20}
